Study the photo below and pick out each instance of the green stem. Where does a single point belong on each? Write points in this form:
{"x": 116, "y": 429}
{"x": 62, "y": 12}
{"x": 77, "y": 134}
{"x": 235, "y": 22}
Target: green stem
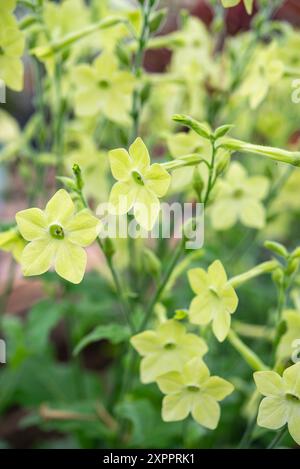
{"x": 249, "y": 356}
{"x": 164, "y": 281}
{"x": 123, "y": 300}
{"x": 137, "y": 67}
{"x": 278, "y": 438}
{"x": 58, "y": 118}
{"x": 211, "y": 173}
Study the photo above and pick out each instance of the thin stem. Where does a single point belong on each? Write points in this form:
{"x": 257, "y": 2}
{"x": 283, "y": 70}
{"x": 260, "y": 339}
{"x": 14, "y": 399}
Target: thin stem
{"x": 163, "y": 282}
{"x": 137, "y": 68}
{"x": 211, "y": 173}
{"x": 278, "y": 438}
{"x": 58, "y": 117}
{"x": 123, "y": 301}
{"x": 118, "y": 285}
{"x": 249, "y": 356}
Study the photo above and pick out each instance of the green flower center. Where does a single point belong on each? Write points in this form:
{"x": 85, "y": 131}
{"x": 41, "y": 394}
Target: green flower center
{"x": 192, "y": 388}
{"x": 137, "y": 178}
{"x": 238, "y": 193}
{"x": 104, "y": 84}
{"x": 57, "y": 232}
{"x": 169, "y": 346}
{"x": 292, "y": 398}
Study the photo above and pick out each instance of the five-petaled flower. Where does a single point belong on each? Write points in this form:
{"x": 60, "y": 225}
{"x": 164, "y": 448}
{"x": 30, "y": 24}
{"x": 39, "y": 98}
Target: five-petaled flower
{"x": 56, "y": 237}
{"x": 193, "y": 391}
{"x": 139, "y": 184}
{"x": 166, "y": 349}
{"x": 215, "y": 299}
{"x": 12, "y": 44}
{"x": 239, "y": 198}
{"x": 103, "y": 88}
{"x": 281, "y": 404}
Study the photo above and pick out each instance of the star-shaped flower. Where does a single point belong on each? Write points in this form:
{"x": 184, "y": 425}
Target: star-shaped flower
{"x": 193, "y": 391}
{"x": 11, "y": 49}
{"x": 139, "y": 184}
{"x": 166, "y": 349}
{"x": 103, "y": 88}
{"x": 56, "y": 237}
{"x": 281, "y": 404}
{"x": 239, "y": 198}
{"x": 216, "y": 299}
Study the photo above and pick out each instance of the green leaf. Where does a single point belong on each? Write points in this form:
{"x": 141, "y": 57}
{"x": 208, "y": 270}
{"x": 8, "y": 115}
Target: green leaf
{"x": 112, "y": 332}
{"x": 41, "y": 320}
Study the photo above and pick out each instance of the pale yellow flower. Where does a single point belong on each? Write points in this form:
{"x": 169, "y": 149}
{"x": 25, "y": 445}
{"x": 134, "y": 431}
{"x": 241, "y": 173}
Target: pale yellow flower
{"x": 57, "y": 237}
{"x": 139, "y": 184}
{"x": 166, "y": 349}
{"x": 239, "y": 198}
{"x": 215, "y": 299}
{"x": 193, "y": 391}
{"x": 281, "y": 404}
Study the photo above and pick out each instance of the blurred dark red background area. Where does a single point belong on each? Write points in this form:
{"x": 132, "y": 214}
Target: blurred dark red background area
{"x": 237, "y": 20}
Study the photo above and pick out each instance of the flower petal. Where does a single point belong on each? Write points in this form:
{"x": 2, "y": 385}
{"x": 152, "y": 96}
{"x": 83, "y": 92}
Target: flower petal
{"x": 37, "y": 256}
{"x": 194, "y": 345}
{"x": 70, "y": 262}
{"x": 206, "y": 411}
{"x": 221, "y": 325}
{"x": 252, "y": 214}
{"x": 32, "y": 223}
{"x": 146, "y": 209}
{"x": 145, "y": 343}
{"x": 223, "y": 214}
{"x": 257, "y": 187}
{"x": 140, "y": 155}
{"x": 230, "y": 298}
{"x": 158, "y": 364}
{"x": 176, "y": 407}
{"x": 200, "y": 311}
{"x": 122, "y": 197}
{"x": 105, "y": 65}
{"x": 88, "y": 102}
{"x": 84, "y": 76}
{"x": 198, "y": 280}
{"x": 273, "y": 413}
{"x": 294, "y": 427}
{"x": 158, "y": 180}
{"x": 217, "y": 274}
{"x": 120, "y": 164}
{"x": 269, "y": 383}
{"x": 171, "y": 331}
{"x": 291, "y": 378}
{"x": 60, "y": 207}
{"x": 218, "y": 388}
{"x": 170, "y": 383}
{"x": 82, "y": 228}
{"x": 195, "y": 372}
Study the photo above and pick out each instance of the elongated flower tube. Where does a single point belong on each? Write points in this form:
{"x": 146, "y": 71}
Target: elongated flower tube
{"x": 277, "y": 154}
{"x": 58, "y": 46}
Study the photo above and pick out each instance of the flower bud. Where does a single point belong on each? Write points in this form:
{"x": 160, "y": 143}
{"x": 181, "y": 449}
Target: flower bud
{"x": 277, "y": 248}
